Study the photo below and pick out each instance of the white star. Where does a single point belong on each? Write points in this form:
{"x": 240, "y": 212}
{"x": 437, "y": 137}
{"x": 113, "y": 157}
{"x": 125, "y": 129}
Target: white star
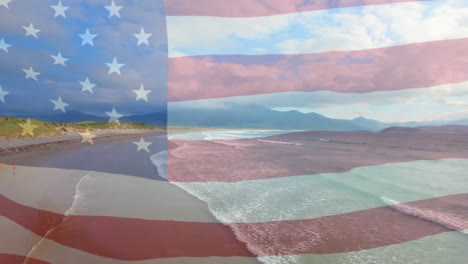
{"x": 87, "y": 137}
{"x": 3, "y": 94}
{"x": 115, "y": 66}
{"x": 4, "y": 46}
{"x": 142, "y": 37}
{"x": 113, "y": 9}
{"x": 87, "y": 38}
{"x": 31, "y": 31}
{"x": 59, "y": 104}
{"x": 30, "y": 73}
{"x": 5, "y": 2}
{"x": 59, "y": 59}
{"x": 114, "y": 116}
{"x": 142, "y": 144}
{"x": 87, "y": 86}
{"x": 60, "y": 9}
{"x": 142, "y": 93}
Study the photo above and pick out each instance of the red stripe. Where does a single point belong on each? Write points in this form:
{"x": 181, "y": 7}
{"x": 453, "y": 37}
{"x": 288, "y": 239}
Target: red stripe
{"x": 15, "y": 259}
{"x": 251, "y": 8}
{"x": 252, "y": 159}
{"x": 138, "y": 239}
{"x": 384, "y": 69}
{"x": 127, "y": 238}
{"x": 38, "y": 221}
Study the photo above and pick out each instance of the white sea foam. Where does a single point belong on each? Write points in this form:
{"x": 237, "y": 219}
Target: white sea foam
{"x": 160, "y": 161}
{"x": 447, "y": 220}
{"x": 280, "y": 142}
{"x": 226, "y": 208}
{"x": 226, "y": 134}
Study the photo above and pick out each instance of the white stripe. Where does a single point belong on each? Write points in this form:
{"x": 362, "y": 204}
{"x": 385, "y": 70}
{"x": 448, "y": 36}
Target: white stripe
{"x": 100, "y": 194}
{"x": 312, "y": 196}
{"x": 355, "y": 28}
{"x": 48, "y": 189}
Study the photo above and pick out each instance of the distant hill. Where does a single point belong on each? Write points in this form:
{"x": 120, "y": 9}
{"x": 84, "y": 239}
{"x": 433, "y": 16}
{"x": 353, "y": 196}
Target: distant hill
{"x": 68, "y": 117}
{"x": 429, "y": 129}
{"x": 254, "y": 116}
{"x": 158, "y": 118}
{"x": 375, "y": 125}
{"x": 244, "y": 116}
{"x": 370, "y": 123}
{"x": 463, "y": 122}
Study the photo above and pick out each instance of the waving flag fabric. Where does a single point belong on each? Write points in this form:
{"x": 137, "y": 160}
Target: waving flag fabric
{"x": 351, "y": 195}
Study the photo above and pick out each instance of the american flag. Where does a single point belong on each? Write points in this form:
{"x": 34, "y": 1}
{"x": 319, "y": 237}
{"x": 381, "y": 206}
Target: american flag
{"x": 394, "y": 196}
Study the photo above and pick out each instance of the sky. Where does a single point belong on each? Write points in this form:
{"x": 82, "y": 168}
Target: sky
{"x": 144, "y": 64}
{"x": 344, "y": 29}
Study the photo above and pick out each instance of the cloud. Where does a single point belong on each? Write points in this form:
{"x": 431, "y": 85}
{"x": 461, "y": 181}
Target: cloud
{"x": 211, "y": 32}
{"x": 352, "y": 28}
{"x": 380, "y": 26}
{"x": 442, "y": 102}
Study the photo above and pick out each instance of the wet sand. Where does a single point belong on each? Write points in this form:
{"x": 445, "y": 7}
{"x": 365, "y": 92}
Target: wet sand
{"x": 112, "y": 154}
{"x": 47, "y": 177}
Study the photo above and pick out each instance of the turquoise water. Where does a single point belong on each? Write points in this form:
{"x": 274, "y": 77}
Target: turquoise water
{"x": 313, "y": 196}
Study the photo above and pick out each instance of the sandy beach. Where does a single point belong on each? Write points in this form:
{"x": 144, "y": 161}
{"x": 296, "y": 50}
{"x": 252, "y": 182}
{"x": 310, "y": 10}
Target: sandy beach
{"x": 109, "y": 153}
{"x": 70, "y": 178}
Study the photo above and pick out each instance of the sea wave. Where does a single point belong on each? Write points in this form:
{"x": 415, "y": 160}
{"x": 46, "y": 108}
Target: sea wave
{"x": 447, "y": 220}
{"x": 160, "y": 161}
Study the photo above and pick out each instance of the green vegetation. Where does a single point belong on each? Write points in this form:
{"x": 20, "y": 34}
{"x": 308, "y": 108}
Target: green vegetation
{"x": 106, "y": 125}
{"x": 11, "y": 128}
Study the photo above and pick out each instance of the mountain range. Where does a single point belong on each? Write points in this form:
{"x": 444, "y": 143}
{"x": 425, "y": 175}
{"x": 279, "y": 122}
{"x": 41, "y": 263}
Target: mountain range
{"x": 245, "y": 116}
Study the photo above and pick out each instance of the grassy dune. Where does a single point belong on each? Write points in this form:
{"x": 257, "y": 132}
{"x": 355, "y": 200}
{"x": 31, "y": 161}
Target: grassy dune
{"x": 10, "y": 127}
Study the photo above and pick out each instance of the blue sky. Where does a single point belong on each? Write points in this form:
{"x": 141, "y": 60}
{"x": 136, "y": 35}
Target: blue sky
{"x": 319, "y": 31}
{"x": 144, "y": 64}
{"x": 325, "y": 30}
{"x": 345, "y": 29}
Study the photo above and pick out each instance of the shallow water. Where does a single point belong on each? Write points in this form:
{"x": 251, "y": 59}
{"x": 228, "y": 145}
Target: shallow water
{"x": 329, "y": 194}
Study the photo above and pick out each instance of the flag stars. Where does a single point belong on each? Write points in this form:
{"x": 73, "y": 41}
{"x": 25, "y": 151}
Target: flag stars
{"x": 28, "y": 128}
{"x": 114, "y": 10}
{"x": 142, "y": 93}
{"x": 115, "y": 66}
{"x": 60, "y": 9}
{"x": 3, "y": 94}
{"x": 5, "y": 3}
{"x": 59, "y": 104}
{"x": 4, "y": 46}
{"x": 59, "y": 59}
{"x": 87, "y": 86}
{"x": 87, "y": 137}
{"x": 31, "y": 30}
{"x": 31, "y": 74}
{"x": 142, "y": 145}
{"x": 114, "y": 116}
{"x": 142, "y": 37}
{"x": 87, "y": 38}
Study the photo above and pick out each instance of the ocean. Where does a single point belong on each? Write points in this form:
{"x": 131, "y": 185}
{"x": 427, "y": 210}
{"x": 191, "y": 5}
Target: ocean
{"x": 324, "y": 195}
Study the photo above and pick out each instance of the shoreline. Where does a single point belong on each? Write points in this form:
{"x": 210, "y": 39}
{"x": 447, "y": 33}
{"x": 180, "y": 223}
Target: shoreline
{"x": 31, "y": 163}
{"x": 15, "y": 145}
{"x": 22, "y": 151}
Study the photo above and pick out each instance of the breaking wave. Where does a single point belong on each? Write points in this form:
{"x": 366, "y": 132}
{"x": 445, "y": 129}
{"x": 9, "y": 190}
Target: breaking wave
{"x": 447, "y": 220}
